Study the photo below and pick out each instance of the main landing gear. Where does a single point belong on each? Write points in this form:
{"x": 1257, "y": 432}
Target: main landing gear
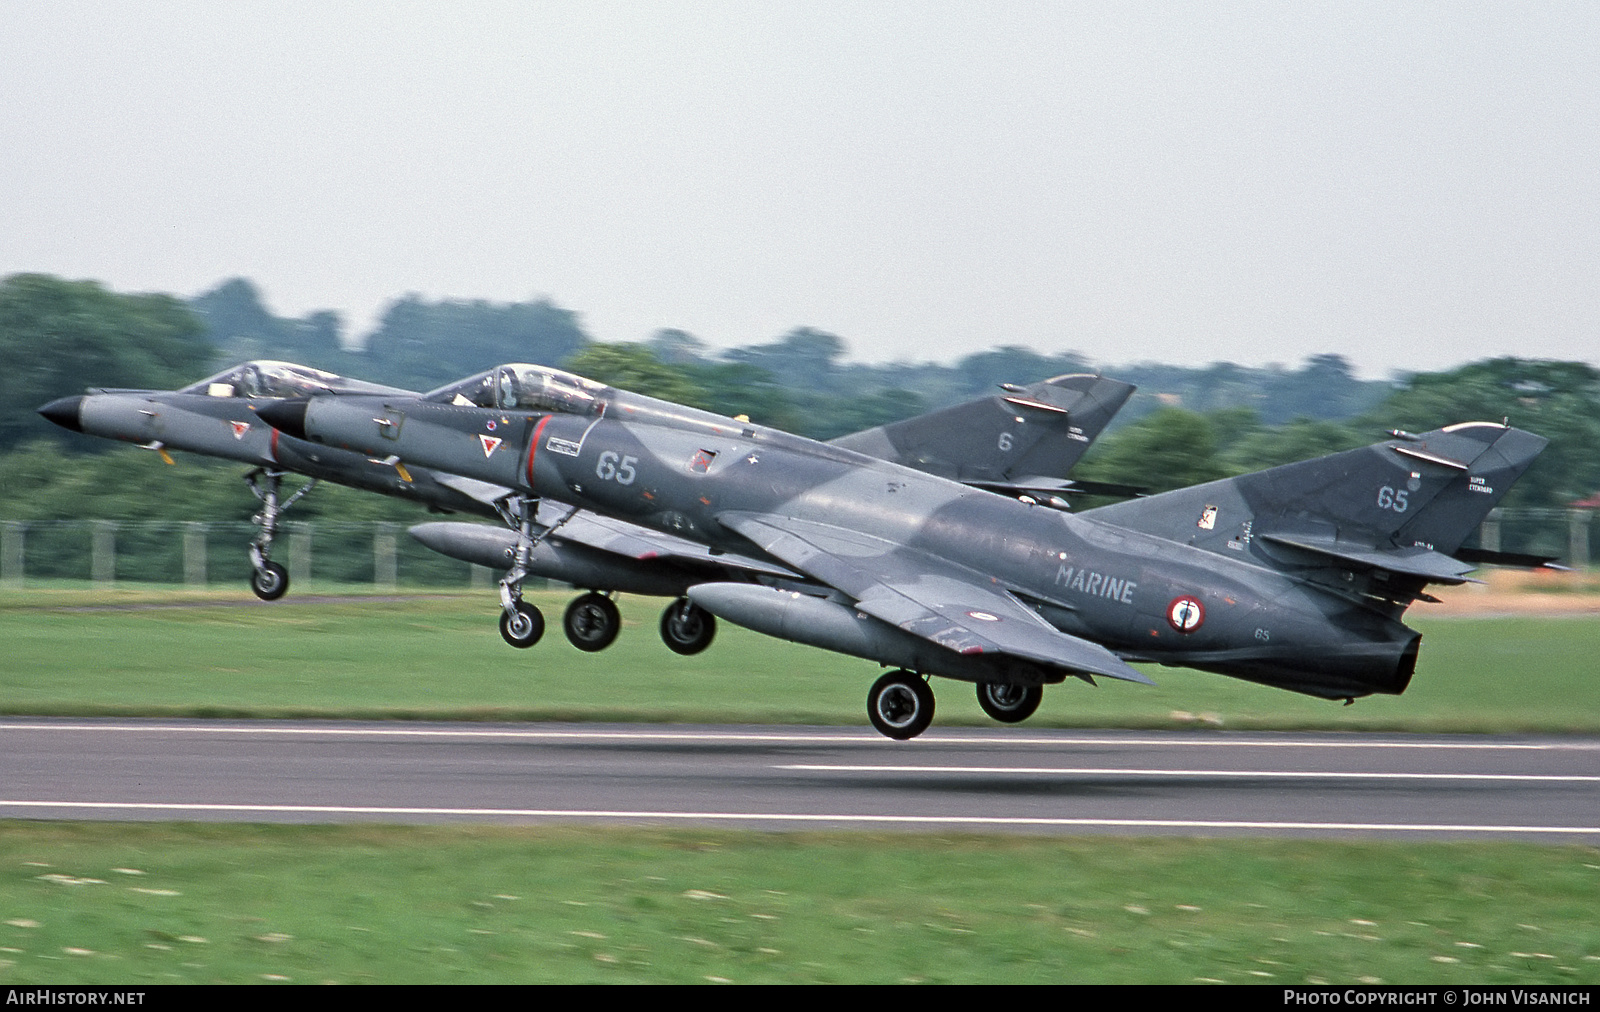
{"x": 900, "y": 704}
{"x": 687, "y": 628}
{"x": 592, "y": 622}
{"x": 269, "y": 580}
{"x": 1009, "y": 704}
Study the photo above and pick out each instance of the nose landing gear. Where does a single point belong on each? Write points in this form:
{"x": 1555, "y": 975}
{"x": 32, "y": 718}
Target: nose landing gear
{"x": 270, "y": 581}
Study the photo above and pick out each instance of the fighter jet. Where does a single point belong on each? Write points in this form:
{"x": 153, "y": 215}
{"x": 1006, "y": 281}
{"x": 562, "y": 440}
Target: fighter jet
{"x": 218, "y": 417}
{"x": 1296, "y": 577}
{"x": 1019, "y": 442}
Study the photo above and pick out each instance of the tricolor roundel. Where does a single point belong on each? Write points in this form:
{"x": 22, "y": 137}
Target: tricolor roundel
{"x": 1186, "y": 613}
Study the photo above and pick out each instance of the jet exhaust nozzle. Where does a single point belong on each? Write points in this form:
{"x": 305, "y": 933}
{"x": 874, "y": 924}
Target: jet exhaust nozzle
{"x": 66, "y": 412}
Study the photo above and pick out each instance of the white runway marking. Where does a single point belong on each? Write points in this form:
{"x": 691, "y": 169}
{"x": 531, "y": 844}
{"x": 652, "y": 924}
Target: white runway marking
{"x": 863, "y": 736}
{"x": 930, "y": 820}
{"x": 1099, "y": 771}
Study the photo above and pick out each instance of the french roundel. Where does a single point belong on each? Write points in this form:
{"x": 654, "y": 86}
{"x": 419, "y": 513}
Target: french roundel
{"x": 1186, "y": 613}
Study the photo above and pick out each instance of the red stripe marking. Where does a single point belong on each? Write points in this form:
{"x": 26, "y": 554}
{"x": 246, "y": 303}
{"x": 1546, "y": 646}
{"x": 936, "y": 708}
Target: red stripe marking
{"x": 533, "y": 447}
{"x": 272, "y": 445}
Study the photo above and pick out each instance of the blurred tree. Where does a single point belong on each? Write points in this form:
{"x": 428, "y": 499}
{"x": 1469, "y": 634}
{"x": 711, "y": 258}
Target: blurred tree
{"x": 420, "y": 345}
{"x": 1168, "y": 449}
{"x": 1558, "y": 400}
{"x": 738, "y": 388}
{"x": 825, "y": 417}
{"x": 635, "y": 367}
{"x": 241, "y": 327}
{"x": 981, "y": 372}
{"x": 803, "y": 359}
{"x": 58, "y": 337}
{"x": 677, "y": 347}
{"x": 1300, "y": 439}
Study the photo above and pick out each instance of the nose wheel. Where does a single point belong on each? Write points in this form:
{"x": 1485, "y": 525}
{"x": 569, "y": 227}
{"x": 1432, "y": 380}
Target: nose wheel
{"x": 900, "y": 705}
{"x": 522, "y": 626}
{"x": 270, "y": 582}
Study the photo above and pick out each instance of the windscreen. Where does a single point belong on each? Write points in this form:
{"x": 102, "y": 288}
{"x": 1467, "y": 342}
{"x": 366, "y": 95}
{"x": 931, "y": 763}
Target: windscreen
{"x": 264, "y": 378}
{"x": 523, "y": 388}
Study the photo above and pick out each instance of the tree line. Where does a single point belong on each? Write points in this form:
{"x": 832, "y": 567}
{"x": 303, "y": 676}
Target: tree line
{"x": 1183, "y": 426}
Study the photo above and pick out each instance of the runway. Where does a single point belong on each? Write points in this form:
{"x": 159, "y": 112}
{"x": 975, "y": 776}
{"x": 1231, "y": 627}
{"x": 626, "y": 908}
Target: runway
{"x": 1011, "y": 779}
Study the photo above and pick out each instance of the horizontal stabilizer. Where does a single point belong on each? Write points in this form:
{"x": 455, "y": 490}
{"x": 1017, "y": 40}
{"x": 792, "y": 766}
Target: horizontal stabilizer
{"x": 1424, "y": 563}
{"x": 1484, "y": 557}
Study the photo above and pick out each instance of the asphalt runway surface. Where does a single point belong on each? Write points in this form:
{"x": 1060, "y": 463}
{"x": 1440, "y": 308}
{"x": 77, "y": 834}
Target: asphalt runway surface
{"x": 1012, "y": 779}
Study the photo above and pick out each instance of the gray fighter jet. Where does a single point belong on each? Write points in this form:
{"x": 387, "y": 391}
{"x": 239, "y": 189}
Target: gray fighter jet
{"x": 218, "y": 417}
{"x": 1296, "y": 577}
{"x": 1019, "y": 442}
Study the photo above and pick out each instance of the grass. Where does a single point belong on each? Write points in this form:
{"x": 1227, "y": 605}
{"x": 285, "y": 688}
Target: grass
{"x": 76, "y": 651}
{"x": 131, "y": 903}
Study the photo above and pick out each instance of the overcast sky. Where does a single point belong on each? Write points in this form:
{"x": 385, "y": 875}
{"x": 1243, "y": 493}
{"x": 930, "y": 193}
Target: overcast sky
{"x": 1410, "y": 185}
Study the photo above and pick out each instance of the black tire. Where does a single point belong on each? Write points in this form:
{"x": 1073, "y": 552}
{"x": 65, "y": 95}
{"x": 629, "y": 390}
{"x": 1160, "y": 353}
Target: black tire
{"x": 900, "y": 705}
{"x": 686, "y": 628}
{"x": 270, "y": 582}
{"x": 592, "y": 622}
{"x": 524, "y": 630}
{"x": 1009, "y": 704}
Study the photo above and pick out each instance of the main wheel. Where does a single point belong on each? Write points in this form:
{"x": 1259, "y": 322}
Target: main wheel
{"x": 524, "y": 628}
{"x": 592, "y": 622}
{"x": 270, "y": 582}
{"x": 687, "y": 628}
{"x": 1009, "y": 704}
{"x": 900, "y": 705}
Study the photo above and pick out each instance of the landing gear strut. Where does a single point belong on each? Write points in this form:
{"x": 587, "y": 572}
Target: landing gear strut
{"x": 900, "y": 705}
{"x": 592, "y": 622}
{"x": 270, "y": 581}
{"x": 521, "y": 624}
{"x": 687, "y": 628}
{"x": 1009, "y": 704}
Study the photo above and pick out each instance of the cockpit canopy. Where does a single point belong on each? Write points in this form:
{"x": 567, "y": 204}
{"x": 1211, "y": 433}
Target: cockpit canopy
{"x": 266, "y": 378}
{"x": 518, "y": 387}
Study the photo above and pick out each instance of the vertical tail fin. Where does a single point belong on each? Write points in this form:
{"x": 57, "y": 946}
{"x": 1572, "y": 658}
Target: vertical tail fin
{"x": 1404, "y": 505}
{"x": 1038, "y": 430}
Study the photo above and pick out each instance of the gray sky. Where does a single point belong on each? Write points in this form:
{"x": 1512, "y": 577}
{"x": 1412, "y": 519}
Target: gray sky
{"x": 1410, "y": 185}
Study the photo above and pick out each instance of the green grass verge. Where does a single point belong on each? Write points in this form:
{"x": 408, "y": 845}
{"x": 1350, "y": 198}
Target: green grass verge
{"x": 73, "y": 651}
{"x": 453, "y": 904}
{"x": 136, "y": 903}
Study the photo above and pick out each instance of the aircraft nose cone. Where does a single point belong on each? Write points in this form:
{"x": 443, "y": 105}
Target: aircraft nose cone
{"x": 288, "y": 417}
{"x": 66, "y": 412}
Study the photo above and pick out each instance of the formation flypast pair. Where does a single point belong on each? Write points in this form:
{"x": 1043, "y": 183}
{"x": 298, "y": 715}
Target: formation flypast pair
{"x": 1040, "y": 429}
{"x": 932, "y": 546}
